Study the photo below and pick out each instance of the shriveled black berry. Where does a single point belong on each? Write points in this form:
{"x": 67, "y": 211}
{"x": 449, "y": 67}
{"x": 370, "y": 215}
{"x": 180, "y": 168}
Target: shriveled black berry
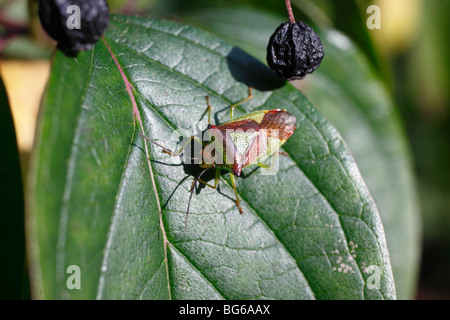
{"x": 61, "y": 23}
{"x": 294, "y": 50}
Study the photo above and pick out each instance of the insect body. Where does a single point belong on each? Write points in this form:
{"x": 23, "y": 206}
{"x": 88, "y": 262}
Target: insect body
{"x": 249, "y": 139}
{"x": 244, "y": 141}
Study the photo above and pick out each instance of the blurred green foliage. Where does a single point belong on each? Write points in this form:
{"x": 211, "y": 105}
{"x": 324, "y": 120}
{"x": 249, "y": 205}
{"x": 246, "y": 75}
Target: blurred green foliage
{"x": 422, "y": 78}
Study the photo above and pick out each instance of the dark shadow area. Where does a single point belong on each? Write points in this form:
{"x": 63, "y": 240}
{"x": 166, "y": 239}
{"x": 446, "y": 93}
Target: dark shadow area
{"x": 435, "y": 263}
{"x": 250, "y": 71}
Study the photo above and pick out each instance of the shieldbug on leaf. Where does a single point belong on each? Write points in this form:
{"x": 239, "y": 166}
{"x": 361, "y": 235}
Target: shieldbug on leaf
{"x": 244, "y": 141}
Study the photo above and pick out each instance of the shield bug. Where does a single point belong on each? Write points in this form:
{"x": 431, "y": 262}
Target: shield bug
{"x": 241, "y": 142}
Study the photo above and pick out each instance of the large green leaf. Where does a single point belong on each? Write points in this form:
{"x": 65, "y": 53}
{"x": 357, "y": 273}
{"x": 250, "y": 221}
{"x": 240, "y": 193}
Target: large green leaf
{"x": 351, "y": 95}
{"x": 311, "y": 231}
{"x": 12, "y": 229}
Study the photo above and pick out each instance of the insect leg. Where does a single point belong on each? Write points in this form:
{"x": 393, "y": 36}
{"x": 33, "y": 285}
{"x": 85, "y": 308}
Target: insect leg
{"x": 194, "y": 182}
{"x": 265, "y": 166}
{"x": 216, "y": 180}
{"x": 208, "y": 109}
{"x": 233, "y": 183}
{"x": 273, "y": 160}
{"x": 250, "y": 96}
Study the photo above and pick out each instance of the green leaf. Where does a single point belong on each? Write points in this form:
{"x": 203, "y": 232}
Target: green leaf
{"x": 351, "y": 95}
{"x": 12, "y": 229}
{"x": 310, "y": 231}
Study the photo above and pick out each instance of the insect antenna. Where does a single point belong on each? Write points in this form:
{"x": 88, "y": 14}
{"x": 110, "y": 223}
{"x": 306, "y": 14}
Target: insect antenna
{"x": 190, "y": 196}
{"x": 165, "y": 150}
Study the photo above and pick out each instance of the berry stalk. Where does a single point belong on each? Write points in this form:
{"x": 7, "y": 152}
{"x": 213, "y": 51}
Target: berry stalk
{"x": 289, "y": 11}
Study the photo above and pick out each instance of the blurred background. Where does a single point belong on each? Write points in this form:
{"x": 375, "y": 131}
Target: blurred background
{"x": 409, "y": 52}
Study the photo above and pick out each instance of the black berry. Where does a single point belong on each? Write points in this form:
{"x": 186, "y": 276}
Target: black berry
{"x": 294, "y": 50}
{"x": 74, "y": 30}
